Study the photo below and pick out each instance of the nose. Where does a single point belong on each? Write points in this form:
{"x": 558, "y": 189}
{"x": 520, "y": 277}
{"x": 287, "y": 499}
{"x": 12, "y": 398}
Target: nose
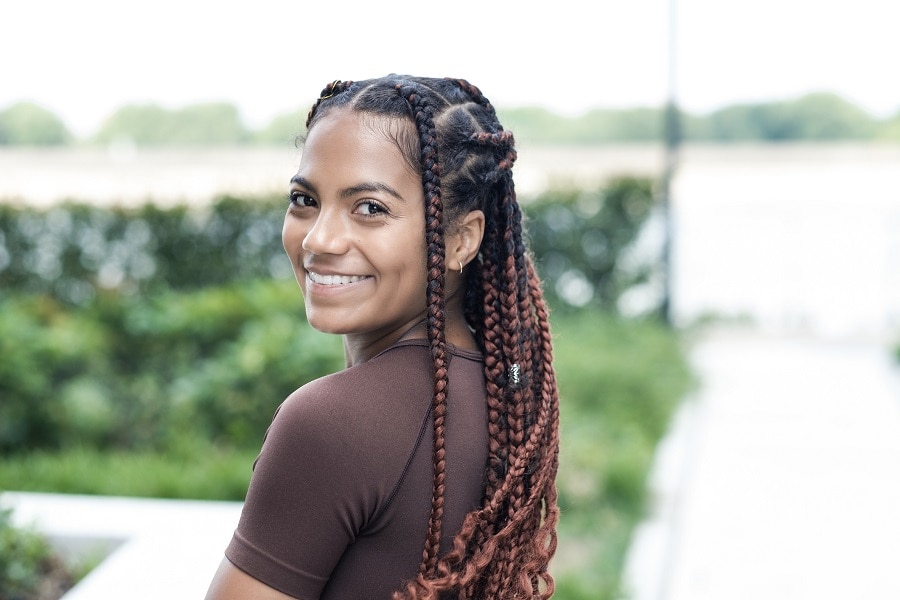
{"x": 328, "y": 234}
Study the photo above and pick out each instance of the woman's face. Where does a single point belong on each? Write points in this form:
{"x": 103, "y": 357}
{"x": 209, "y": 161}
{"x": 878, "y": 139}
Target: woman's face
{"x": 354, "y": 231}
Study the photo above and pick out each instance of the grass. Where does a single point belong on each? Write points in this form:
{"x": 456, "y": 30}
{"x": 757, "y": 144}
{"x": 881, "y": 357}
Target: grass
{"x": 208, "y": 472}
{"x": 620, "y": 382}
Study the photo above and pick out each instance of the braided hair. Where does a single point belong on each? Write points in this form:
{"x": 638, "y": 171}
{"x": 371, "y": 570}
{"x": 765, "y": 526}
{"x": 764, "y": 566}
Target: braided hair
{"x": 465, "y": 158}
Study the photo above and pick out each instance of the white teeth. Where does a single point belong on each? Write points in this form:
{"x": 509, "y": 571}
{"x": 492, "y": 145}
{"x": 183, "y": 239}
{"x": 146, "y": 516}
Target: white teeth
{"x": 333, "y": 279}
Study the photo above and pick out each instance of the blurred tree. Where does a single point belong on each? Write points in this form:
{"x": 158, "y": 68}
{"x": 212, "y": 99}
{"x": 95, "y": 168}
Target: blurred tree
{"x": 825, "y": 116}
{"x": 28, "y": 124}
{"x": 141, "y": 124}
{"x": 819, "y": 116}
{"x": 283, "y": 129}
{"x": 733, "y": 123}
{"x": 540, "y": 126}
{"x": 215, "y": 123}
{"x": 625, "y": 125}
{"x": 889, "y": 129}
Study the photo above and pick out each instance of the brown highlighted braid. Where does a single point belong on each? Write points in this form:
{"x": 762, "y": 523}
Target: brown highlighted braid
{"x": 465, "y": 158}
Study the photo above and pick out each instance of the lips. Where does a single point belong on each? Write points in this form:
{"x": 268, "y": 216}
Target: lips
{"x": 333, "y": 279}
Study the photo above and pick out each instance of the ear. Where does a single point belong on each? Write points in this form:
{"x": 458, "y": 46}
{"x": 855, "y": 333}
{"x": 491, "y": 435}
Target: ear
{"x": 461, "y": 246}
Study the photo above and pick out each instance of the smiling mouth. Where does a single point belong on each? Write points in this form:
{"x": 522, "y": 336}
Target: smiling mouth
{"x": 333, "y": 279}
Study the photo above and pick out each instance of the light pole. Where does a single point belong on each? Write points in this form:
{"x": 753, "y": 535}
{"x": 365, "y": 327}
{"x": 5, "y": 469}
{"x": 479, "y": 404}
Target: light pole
{"x": 671, "y": 141}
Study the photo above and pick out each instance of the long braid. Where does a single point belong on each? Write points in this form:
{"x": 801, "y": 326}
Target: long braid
{"x": 513, "y": 393}
{"x": 503, "y": 548}
{"x": 434, "y": 237}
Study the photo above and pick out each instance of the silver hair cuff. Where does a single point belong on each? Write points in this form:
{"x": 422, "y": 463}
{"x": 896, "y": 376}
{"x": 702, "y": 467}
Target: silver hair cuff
{"x": 513, "y": 374}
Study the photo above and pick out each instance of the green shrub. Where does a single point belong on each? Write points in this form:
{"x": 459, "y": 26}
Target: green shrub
{"x": 140, "y": 372}
{"x": 45, "y": 348}
{"x": 29, "y": 569}
{"x": 620, "y": 383}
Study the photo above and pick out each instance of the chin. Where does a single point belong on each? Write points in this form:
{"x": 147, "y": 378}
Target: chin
{"x": 324, "y": 325}
{"x": 328, "y": 329}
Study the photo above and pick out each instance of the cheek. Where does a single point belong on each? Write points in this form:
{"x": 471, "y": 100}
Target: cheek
{"x": 291, "y": 236}
{"x": 416, "y": 265}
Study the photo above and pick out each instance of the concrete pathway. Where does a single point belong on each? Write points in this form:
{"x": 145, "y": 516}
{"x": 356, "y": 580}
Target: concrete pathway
{"x": 780, "y": 479}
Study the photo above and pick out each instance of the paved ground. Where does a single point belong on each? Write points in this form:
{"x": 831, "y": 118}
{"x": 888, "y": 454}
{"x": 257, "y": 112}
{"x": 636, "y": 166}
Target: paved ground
{"x": 781, "y": 479}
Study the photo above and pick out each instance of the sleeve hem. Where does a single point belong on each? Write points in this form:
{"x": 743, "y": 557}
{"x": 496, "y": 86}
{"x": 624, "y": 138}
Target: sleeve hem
{"x": 273, "y": 572}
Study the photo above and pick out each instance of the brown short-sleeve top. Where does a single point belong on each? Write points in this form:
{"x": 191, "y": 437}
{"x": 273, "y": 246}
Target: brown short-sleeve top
{"x": 339, "y": 502}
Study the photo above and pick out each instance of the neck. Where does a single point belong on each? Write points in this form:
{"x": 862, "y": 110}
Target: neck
{"x": 361, "y": 348}
{"x": 358, "y": 350}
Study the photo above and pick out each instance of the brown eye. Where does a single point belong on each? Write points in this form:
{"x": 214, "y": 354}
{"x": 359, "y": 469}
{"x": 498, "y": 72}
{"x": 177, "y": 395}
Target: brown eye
{"x": 370, "y": 208}
{"x": 301, "y": 199}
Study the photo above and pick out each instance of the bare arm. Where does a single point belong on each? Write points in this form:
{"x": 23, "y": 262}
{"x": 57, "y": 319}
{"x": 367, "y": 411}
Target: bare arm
{"x": 230, "y": 583}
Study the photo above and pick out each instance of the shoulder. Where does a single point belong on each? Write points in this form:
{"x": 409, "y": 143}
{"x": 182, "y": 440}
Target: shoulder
{"x": 371, "y": 411}
{"x": 366, "y": 418}
{"x": 396, "y": 381}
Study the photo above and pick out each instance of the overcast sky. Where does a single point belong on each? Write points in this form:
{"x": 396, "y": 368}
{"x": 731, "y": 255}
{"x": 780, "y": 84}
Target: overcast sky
{"x": 84, "y": 59}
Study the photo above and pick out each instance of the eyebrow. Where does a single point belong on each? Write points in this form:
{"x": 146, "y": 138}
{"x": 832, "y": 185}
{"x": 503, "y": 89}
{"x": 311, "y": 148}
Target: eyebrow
{"x": 366, "y": 186}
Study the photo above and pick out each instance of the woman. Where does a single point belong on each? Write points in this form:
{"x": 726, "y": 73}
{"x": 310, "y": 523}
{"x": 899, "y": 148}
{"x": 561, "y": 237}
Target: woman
{"x": 425, "y": 468}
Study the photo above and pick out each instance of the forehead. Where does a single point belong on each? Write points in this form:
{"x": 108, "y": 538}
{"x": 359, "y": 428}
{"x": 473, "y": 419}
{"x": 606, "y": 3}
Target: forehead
{"x": 354, "y": 137}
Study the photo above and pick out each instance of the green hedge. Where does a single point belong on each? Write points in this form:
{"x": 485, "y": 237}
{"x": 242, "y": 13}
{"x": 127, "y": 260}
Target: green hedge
{"x": 76, "y": 252}
{"x": 583, "y": 238}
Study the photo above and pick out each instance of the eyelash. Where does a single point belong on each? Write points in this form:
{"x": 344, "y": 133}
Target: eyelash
{"x": 296, "y": 199}
{"x": 379, "y": 208}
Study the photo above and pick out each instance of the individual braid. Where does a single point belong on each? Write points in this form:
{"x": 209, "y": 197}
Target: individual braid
{"x": 435, "y": 317}
{"x": 332, "y": 89}
{"x": 465, "y": 157}
{"x": 475, "y": 94}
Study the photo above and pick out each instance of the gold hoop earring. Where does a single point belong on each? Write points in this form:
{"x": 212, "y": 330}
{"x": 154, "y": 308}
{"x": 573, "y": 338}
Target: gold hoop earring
{"x": 460, "y": 266}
